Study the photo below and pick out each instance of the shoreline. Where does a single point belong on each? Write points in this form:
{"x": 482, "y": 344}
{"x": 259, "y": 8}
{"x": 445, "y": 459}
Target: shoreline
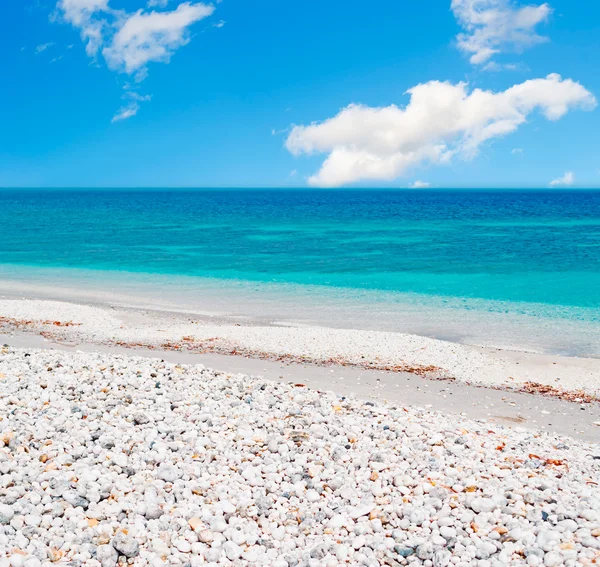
{"x": 567, "y": 331}
{"x": 494, "y": 406}
{"x": 105, "y": 323}
{"x": 549, "y": 392}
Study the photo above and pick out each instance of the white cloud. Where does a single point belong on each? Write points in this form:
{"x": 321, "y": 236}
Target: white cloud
{"x": 567, "y": 179}
{"x": 152, "y": 37}
{"x": 219, "y": 24}
{"x": 129, "y": 41}
{"x": 137, "y": 96}
{"x": 441, "y": 121}
{"x": 517, "y": 151}
{"x": 126, "y": 112}
{"x": 493, "y": 26}
{"x": 88, "y": 17}
{"x": 418, "y": 184}
{"x": 41, "y": 48}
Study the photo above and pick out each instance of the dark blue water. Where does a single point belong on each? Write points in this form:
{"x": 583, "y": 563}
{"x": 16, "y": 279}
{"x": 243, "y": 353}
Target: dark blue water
{"x": 513, "y": 246}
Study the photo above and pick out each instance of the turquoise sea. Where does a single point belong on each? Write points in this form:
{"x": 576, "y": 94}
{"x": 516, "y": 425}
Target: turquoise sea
{"x": 512, "y": 268}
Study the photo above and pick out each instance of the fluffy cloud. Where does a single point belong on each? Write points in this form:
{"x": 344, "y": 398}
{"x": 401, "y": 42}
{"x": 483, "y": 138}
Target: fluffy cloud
{"x": 129, "y": 41}
{"x": 494, "y": 25}
{"x": 152, "y": 37}
{"x": 441, "y": 121}
{"x": 567, "y": 179}
{"x": 87, "y": 16}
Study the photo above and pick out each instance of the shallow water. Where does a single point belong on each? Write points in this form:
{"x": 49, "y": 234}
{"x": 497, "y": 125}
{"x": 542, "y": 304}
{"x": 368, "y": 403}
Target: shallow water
{"x": 516, "y": 269}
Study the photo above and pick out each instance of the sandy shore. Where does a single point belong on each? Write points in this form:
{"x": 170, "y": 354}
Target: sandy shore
{"x": 308, "y": 447}
{"x": 494, "y": 406}
{"x": 541, "y": 392}
{"x": 436, "y": 359}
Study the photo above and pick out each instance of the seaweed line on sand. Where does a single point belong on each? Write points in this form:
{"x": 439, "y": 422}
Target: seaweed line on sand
{"x": 21, "y": 323}
{"x": 216, "y": 345}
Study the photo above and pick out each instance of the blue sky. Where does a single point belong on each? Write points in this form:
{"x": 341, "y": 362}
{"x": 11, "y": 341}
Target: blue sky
{"x": 221, "y": 108}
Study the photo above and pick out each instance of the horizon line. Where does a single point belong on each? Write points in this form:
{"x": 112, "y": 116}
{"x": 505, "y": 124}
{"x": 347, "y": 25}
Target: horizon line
{"x": 282, "y": 188}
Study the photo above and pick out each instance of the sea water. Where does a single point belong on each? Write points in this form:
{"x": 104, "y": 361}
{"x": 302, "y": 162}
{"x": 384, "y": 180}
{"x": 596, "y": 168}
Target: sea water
{"x": 515, "y": 269}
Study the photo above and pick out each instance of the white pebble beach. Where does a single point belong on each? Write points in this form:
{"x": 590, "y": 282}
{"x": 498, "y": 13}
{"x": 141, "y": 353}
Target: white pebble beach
{"x": 110, "y": 459}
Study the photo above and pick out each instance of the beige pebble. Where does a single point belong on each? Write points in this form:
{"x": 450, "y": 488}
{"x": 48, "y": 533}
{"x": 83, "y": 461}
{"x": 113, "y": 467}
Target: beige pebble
{"x": 196, "y": 524}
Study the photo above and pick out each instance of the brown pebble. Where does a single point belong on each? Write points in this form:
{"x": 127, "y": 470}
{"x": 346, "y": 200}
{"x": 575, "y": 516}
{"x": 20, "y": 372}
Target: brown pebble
{"x": 55, "y": 554}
